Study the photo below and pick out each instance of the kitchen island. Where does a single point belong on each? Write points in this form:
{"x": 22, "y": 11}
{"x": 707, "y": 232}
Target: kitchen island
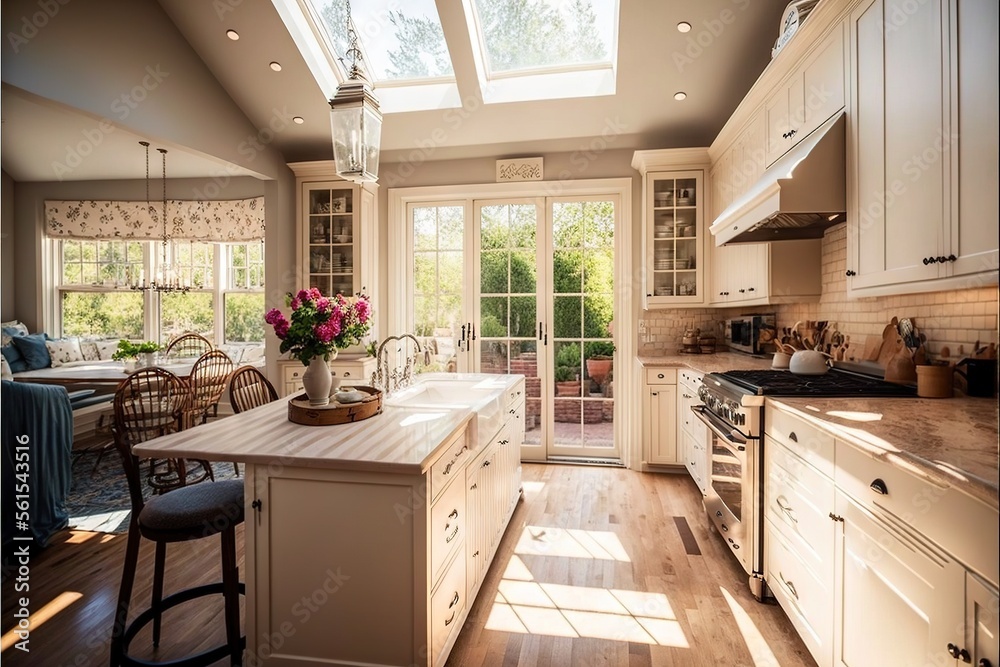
{"x": 366, "y": 543}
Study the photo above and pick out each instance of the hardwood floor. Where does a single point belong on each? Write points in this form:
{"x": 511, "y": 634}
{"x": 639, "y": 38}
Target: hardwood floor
{"x": 600, "y": 566}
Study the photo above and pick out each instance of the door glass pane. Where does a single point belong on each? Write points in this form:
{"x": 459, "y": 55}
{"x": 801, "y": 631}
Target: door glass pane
{"x": 509, "y": 301}
{"x": 583, "y": 278}
{"x": 438, "y": 282}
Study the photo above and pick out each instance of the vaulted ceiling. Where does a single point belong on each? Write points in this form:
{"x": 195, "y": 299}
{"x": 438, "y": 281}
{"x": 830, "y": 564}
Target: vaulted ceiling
{"x": 714, "y": 64}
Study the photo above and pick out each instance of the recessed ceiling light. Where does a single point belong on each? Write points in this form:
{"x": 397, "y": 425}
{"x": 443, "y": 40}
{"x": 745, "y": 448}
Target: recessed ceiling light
{"x": 683, "y": 26}
{"x": 680, "y": 95}
{"x": 298, "y": 120}
{"x": 233, "y": 35}
{"x": 276, "y": 66}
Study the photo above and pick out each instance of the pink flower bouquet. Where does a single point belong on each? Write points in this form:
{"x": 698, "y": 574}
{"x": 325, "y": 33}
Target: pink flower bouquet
{"x": 320, "y": 325}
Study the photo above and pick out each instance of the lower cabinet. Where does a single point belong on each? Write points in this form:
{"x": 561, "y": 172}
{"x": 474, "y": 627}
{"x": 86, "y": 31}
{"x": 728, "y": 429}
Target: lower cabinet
{"x": 864, "y": 558}
{"x": 348, "y": 567}
{"x": 659, "y": 415}
{"x": 692, "y": 434}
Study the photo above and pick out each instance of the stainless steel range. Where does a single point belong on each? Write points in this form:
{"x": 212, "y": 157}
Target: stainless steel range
{"x": 733, "y": 410}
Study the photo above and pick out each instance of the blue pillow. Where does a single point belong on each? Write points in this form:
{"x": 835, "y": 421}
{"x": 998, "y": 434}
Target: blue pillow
{"x": 14, "y": 359}
{"x": 32, "y": 347}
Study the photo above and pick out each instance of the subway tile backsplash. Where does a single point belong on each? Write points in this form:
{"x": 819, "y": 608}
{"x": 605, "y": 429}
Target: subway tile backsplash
{"x": 953, "y": 318}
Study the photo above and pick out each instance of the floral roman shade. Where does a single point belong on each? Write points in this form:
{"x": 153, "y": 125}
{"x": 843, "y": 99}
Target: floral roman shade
{"x": 237, "y": 220}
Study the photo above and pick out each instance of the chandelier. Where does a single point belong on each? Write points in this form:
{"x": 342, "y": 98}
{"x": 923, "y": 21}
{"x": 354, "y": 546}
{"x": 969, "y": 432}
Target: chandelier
{"x": 356, "y": 119}
{"x": 165, "y": 280}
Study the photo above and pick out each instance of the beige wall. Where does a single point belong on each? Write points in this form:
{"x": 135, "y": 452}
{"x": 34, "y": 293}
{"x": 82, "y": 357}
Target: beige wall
{"x": 7, "y": 275}
{"x": 954, "y": 318}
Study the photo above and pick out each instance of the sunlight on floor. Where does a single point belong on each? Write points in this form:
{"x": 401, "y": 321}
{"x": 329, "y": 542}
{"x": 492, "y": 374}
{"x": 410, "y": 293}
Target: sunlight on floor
{"x": 106, "y": 522}
{"x": 80, "y": 536}
{"x": 36, "y": 619}
{"x": 531, "y": 490}
{"x": 571, "y": 543}
{"x": 525, "y": 606}
{"x": 761, "y": 653}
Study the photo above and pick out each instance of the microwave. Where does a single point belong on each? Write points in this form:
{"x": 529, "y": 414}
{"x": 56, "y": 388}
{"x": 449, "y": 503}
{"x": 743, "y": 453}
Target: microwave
{"x": 753, "y": 334}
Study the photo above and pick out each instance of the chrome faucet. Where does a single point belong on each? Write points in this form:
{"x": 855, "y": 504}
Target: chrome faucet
{"x": 397, "y": 377}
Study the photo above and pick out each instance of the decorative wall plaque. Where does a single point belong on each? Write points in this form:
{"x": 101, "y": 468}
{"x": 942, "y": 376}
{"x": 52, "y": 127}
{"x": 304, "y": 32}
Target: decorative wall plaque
{"x": 520, "y": 169}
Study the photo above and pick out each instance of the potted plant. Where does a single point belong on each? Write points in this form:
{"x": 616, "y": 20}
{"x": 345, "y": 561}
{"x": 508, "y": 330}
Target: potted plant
{"x": 600, "y": 357}
{"x": 130, "y": 352}
{"x": 567, "y": 381}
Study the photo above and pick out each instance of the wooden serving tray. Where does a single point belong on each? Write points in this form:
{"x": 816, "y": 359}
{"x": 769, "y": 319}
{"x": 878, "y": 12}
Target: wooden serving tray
{"x": 300, "y": 412}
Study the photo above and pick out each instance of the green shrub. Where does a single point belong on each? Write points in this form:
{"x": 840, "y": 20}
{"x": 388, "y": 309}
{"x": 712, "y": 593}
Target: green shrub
{"x": 565, "y": 374}
{"x": 568, "y": 355}
{"x": 598, "y": 348}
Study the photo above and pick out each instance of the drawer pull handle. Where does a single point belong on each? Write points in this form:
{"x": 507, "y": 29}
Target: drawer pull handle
{"x": 486, "y": 464}
{"x": 879, "y": 487}
{"x": 789, "y": 512}
{"x": 474, "y": 486}
{"x": 983, "y": 662}
{"x": 454, "y": 601}
{"x": 454, "y": 532}
{"x": 475, "y": 555}
{"x": 454, "y": 514}
{"x": 793, "y": 437}
{"x": 449, "y": 619}
{"x": 789, "y": 585}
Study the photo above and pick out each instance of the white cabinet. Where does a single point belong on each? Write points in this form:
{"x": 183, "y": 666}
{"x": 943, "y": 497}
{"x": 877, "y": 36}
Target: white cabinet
{"x": 383, "y": 566}
{"x": 692, "y": 434}
{"x": 764, "y": 273}
{"x": 899, "y": 598}
{"x": 922, "y": 193}
{"x": 872, "y": 564}
{"x": 349, "y": 368}
{"x": 659, "y": 416}
{"x": 335, "y": 217}
{"x": 811, "y": 95}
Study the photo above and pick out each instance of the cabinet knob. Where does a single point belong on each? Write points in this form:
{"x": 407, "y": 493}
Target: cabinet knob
{"x": 791, "y": 133}
{"x": 879, "y": 487}
{"x": 952, "y": 258}
{"x": 742, "y": 291}
{"x": 952, "y": 650}
{"x": 750, "y": 289}
{"x": 850, "y": 272}
{"x": 929, "y": 260}
{"x": 793, "y": 437}
{"x": 983, "y": 662}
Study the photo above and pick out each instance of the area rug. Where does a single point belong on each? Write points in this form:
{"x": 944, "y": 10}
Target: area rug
{"x": 99, "y": 500}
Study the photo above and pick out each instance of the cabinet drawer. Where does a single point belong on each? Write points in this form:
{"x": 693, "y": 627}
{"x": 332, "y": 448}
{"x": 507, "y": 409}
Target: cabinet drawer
{"x": 661, "y": 376}
{"x": 447, "y": 608}
{"x": 806, "y": 598}
{"x": 292, "y": 373}
{"x": 805, "y": 440}
{"x": 690, "y": 379}
{"x": 957, "y": 523}
{"x": 450, "y": 465}
{"x": 799, "y": 501}
{"x": 448, "y": 526}
{"x": 515, "y": 395}
{"x": 353, "y": 372}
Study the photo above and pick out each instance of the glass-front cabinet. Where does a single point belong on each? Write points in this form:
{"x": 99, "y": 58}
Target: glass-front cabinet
{"x": 330, "y": 229}
{"x": 674, "y": 231}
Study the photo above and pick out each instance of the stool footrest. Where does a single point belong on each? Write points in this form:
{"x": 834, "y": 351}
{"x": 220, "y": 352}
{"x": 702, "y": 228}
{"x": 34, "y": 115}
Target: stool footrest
{"x": 199, "y": 660}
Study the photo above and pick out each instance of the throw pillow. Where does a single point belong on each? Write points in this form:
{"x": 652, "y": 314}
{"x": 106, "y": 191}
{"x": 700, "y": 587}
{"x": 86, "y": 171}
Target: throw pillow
{"x": 106, "y": 348}
{"x": 14, "y": 359}
{"x": 32, "y": 347}
{"x": 12, "y": 329}
{"x": 64, "y": 351}
{"x": 90, "y": 351}
{"x": 5, "y": 372}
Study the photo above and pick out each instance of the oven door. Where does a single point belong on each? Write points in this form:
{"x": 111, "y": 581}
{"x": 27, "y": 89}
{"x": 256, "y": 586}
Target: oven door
{"x": 729, "y": 499}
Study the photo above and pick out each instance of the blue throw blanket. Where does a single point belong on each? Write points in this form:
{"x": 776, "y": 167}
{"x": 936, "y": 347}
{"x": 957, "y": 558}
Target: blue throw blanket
{"x": 37, "y": 432}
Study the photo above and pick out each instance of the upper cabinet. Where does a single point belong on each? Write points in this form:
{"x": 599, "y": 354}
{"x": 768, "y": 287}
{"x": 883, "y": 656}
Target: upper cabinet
{"x": 673, "y": 227}
{"x": 923, "y": 156}
{"x": 766, "y": 273}
{"x": 811, "y": 95}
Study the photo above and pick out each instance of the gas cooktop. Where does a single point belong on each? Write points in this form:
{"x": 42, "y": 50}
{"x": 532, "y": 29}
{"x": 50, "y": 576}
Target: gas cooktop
{"x": 836, "y": 383}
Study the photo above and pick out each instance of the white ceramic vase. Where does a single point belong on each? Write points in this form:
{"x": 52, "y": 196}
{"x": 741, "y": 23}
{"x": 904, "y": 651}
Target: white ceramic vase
{"x": 317, "y": 381}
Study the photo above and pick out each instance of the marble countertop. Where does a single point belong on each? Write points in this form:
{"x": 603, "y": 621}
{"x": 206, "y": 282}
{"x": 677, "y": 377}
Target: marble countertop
{"x": 952, "y": 440}
{"x": 400, "y": 440}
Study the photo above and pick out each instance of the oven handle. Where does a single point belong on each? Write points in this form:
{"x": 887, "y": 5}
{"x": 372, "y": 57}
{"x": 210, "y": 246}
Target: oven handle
{"x": 719, "y": 426}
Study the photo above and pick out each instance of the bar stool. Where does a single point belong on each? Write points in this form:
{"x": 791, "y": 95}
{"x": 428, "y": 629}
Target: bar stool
{"x": 185, "y": 513}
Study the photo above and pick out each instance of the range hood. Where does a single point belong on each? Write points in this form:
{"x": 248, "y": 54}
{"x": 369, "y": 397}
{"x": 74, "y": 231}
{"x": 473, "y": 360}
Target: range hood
{"x": 798, "y": 196}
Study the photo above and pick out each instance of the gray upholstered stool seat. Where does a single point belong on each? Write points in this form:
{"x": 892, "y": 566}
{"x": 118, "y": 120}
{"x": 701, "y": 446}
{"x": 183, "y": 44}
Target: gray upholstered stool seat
{"x": 191, "y": 512}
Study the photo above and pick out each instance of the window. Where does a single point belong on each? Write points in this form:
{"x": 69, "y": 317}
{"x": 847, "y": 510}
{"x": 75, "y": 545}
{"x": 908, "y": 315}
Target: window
{"x": 95, "y": 300}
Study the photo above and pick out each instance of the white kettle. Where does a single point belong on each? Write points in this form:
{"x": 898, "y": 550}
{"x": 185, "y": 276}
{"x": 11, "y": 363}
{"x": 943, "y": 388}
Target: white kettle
{"x": 809, "y": 362}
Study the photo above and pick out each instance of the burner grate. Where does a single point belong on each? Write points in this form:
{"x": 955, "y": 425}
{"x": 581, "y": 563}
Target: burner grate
{"x": 836, "y": 383}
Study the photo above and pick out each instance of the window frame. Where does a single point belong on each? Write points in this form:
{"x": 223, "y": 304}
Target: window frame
{"x": 54, "y": 287}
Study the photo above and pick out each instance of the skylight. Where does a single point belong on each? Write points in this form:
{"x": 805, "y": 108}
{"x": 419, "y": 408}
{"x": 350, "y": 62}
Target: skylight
{"x": 508, "y": 50}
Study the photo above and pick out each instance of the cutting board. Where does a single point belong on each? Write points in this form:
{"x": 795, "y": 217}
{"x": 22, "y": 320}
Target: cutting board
{"x": 891, "y": 341}
{"x": 900, "y": 367}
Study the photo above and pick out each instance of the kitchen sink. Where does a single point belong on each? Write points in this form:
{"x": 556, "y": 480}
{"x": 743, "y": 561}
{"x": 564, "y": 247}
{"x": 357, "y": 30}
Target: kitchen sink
{"x": 484, "y": 398}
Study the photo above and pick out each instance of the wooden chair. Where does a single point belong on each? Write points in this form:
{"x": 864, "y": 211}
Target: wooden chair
{"x": 187, "y": 345}
{"x": 249, "y": 388}
{"x": 208, "y": 382}
{"x": 149, "y": 403}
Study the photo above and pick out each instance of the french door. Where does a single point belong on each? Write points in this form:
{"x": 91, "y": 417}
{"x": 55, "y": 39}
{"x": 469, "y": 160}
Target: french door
{"x": 524, "y": 286}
